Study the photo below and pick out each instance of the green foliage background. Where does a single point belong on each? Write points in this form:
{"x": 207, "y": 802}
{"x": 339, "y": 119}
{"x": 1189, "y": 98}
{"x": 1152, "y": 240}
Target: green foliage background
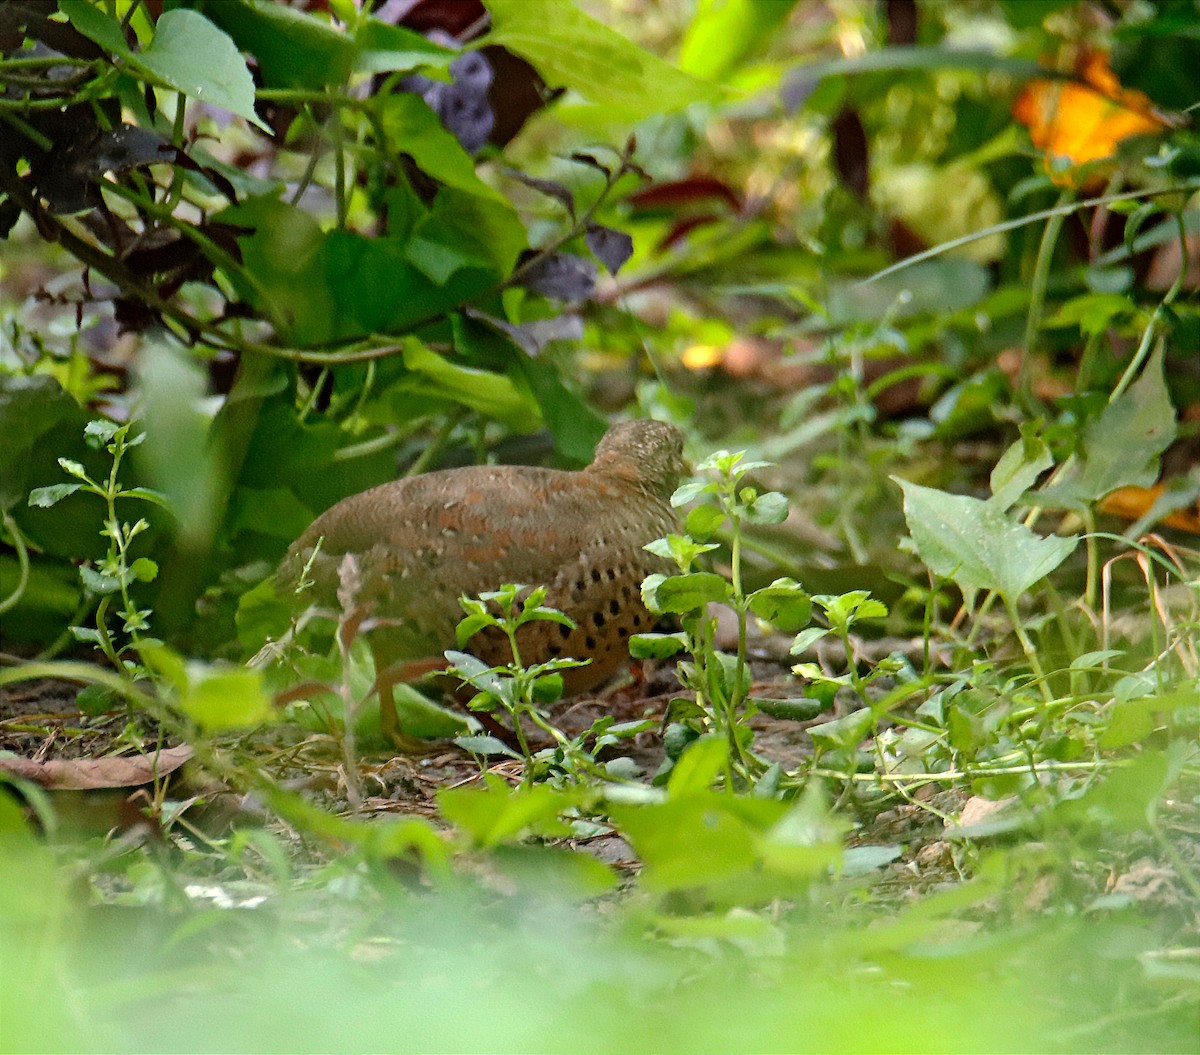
{"x": 238, "y": 226}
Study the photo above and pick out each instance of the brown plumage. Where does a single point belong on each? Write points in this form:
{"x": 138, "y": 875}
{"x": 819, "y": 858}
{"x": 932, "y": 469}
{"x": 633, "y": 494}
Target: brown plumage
{"x": 423, "y": 542}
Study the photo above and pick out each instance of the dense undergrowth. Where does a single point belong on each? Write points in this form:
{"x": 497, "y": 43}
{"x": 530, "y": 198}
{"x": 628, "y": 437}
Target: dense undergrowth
{"x": 915, "y": 763}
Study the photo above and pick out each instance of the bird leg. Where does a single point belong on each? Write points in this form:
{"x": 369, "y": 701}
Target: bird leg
{"x": 386, "y": 677}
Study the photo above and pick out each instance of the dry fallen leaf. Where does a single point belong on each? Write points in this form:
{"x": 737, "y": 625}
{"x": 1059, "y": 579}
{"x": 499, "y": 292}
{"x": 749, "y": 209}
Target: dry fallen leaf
{"x": 1132, "y": 503}
{"x": 80, "y": 774}
{"x": 1084, "y": 122}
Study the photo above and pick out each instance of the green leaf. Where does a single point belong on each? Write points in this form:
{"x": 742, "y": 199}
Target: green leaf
{"x": 414, "y": 128}
{"x": 698, "y": 766}
{"x": 181, "y": 462}
{"x": 321, "y": 287}
{"x": 101, "y": 431}
{"x": 44, "y": 497}
{"x": 796, "y": 709}
{"x": 383, "y": 48}
{"x": 221, "y": 699}
{"x": 684, "y": 593}
{"x": 483, "y": 391}
{"x": 97, "y": 582}
{"x": 144, "y": 569}
{"x": 975, "y": 544}
{"x": 723, "y": 32}
{"x": 680, "y": 549}
{"x": 148, "y": 494}
{"x": 485, "y": 745}
{"x": 574, "y": 50}
{"x": 195, "y": 57}
{"x": 30, "y": 408}
{"x": 93, "y": 700}
{"x": 657, "y": 646}
{"x": 94, "y": 24}
{"x": 806, "y": 638}
{"x": 690, "y": 491}
{"x": 1093, "y": 313}
{"x": 293, "y": 49}
{"x": 498, "y": 813}
{"x": 688, "y": 842}
{"x": 845, "y": 732}
{"x": 1018, "y": 470}
{"x": 187, "y": 53}
{"x": 783, "y": 604}
{"x": 1133, "y": 720}
{"x": 1121, "y": 447}
{"x": 702, "y": 521}
{"x": 768, "y": 508}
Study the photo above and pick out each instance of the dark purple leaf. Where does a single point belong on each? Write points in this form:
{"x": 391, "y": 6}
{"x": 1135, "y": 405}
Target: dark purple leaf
{"x": 581, "y": 158}
{"x": 10, "y": 213}
{"x": 561, "y": 276}
{"x": 612, "y": 248}
{"x": 127, "y": 147}
{"x": 550, "y": 188}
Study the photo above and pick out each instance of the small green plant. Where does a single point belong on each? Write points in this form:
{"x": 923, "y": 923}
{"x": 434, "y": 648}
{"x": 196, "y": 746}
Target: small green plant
{"x": 521, "y": 691}
{"x": 720, "y": 681}
{"x": 121, "y": 624}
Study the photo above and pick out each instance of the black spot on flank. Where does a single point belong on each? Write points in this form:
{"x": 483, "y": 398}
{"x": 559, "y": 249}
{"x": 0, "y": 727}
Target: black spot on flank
{"x": 580, "y": 585}
{"x": 622, "y": 632}
{"x": 555, "y": 650}
{"x": 611, "y": 573}
{"x": 596, "y": 576}
{"x": 637, "y": 620}
{"x": 598, "y": 619}
{"x": 590, "y": 643}
{"x": 614, "y": 607}
{"x": 564, "y": 630}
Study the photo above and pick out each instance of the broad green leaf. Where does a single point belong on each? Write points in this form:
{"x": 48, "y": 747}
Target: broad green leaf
{"x": 1018, "y": 470}
{"x": 783, "y": 604}
{"x": 684, "y": 593}
{"x": 195, "y": 57}
{"x": 975, "y": 544}
{"x": 1093, "y": 313}
{"x": 806, "y": 638}
{"x": 485, "y": 745}
{"x": 498, "y": 813}
{"x": 415, "y": 129}
{"x": 768, "y": 508}
{"x": 723, "y": 32}
{"x": 180, "y": 463}
{"x": 702, "y": 521}
{"x": 94, "y": 24}
{"x": 490, "y": 394}
{"x": 218, "y": 699}
{"x": 1121, "y": 447}
{"x": 698, "y": 766}
{"x": 797, "y": 709}
{"x": 383, "y": 48}
{"x": 690, "y": 841}
{"x": 1133, "y": 720}
{"x": 30, "y": 407}
{"x": 187, "y": 52}
{"x": 320, "y": 287}
{"x": 845, "y": 732}
{"x": 571, "y": 49}
{"x": 656, "y": 646}
{"x": 293, "y": 49}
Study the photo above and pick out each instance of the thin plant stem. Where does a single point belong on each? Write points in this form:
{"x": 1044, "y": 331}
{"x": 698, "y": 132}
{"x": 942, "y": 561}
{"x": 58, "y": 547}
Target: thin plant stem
{"x": 1037, "y": 298}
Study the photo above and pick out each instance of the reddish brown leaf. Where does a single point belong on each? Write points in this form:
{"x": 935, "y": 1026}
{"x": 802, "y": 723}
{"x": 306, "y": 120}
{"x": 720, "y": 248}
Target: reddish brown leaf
{"x": 79, "y": 774}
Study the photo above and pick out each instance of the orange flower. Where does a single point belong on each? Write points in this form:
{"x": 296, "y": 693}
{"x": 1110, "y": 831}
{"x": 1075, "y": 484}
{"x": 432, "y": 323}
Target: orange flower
{"x": 1084, "y": 122}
